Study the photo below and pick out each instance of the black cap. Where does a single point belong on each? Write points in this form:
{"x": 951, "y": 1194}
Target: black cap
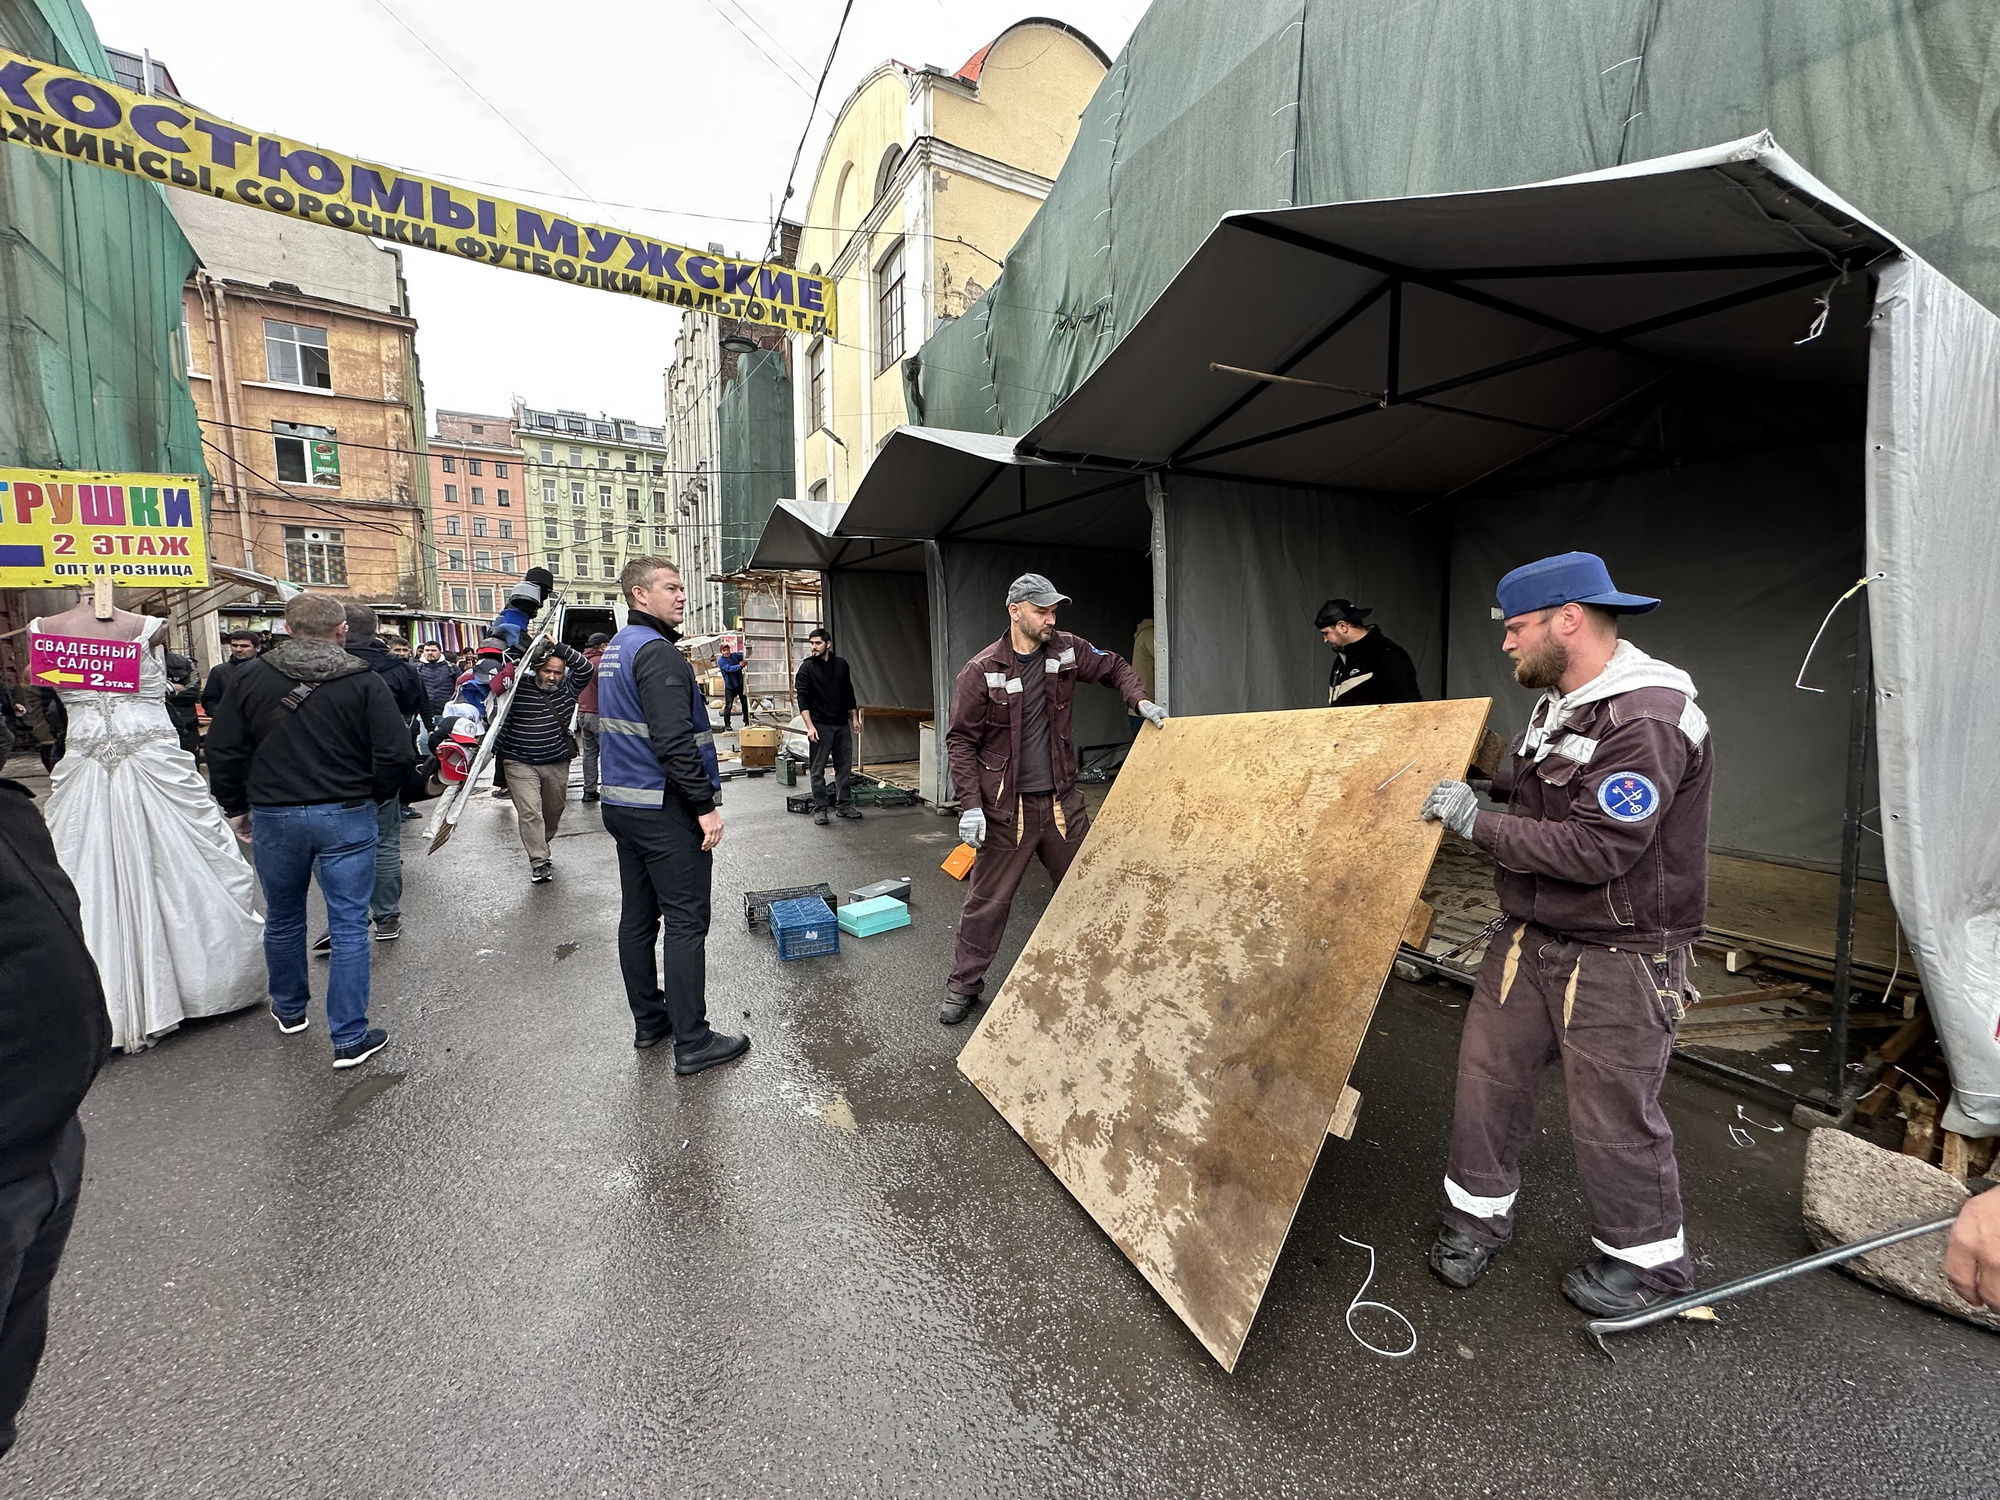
{"x": 1340, "y": 612}
{"x": 597, "y": 638}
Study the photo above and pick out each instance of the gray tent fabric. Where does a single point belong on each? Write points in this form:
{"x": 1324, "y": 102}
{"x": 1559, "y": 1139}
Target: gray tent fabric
{"x": 881, "y": 625}
{"x": 1215, "y": 109}
{"x": 1934, "y": 595}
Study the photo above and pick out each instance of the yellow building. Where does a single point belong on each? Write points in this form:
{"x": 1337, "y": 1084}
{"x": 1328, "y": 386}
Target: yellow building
{"x": 926, "y": 181}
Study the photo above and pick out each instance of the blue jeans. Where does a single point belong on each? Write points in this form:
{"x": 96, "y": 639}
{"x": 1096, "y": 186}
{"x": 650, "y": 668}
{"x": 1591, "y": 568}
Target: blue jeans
{"x": 287, "y": 843}
{"x": 387, "y": 898}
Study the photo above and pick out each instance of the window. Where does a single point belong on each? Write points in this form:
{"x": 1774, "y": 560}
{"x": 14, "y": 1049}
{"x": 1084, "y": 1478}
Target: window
{"x": 479, "y": 494}
{"x": 603, "y": 459}
{"x": 816, "y": 386}
{"x": 552, "y": 561}
{"x": 486, "y": 601}
{"x": 659, "y": 538}
{"x": 296, "y": 355}
{"x": 551, "y": 532}
{"x": 306, "y": 454}
{"x": 579, "y": 531}
{"x": 548, "y": 453}
{"x": 582, "y": 565}
{"x": 314, "y": 554}
{"x": 659, "y": 466}
{"x": 631, "y": 536}
{"x": 604, "y": 496}
{"x": 632, "y": 461}
{"x": 477, "y": 429}
{"x": 604, "y": 535}
{"x": 474, "y": 466}
{"x": 885, "y": 171}
{"x": 508, "y": 561}
{"x": 501, "y": 496}
{"x": 817, "y": 494}
{"x": 575, "y": 493}
{"x": 548, "y": 492}
{"x": 506, "y": 529}
{"x": 455, "y": 561}
{"x": 451, "y": 526}
{"x": 450, "y": 464}
{"x": 458, "y": 601}
{"x": 889, "y": 308}
{"x": 632, "y": 501}
{"x": 576, "y": 458}
{"x": 659, "y": 503}
{"x": 482, "y": 562}
{"x": 451, "y": 494}
{"x": 610, "y": 566}
{"x": 479, "y": 526}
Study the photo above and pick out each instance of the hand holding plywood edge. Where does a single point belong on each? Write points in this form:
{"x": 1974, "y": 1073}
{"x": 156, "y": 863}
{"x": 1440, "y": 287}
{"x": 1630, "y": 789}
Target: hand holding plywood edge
{"x": 1176, "y": 1037}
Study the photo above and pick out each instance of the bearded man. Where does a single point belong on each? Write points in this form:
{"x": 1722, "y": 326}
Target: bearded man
{"x": 1603, "y": 876}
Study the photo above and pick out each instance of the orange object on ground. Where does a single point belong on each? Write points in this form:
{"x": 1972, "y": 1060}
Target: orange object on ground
{"x": 958, "y": 863}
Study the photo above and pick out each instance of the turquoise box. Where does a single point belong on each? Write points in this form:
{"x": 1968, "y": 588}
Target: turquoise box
{"x": 866, "y": 918}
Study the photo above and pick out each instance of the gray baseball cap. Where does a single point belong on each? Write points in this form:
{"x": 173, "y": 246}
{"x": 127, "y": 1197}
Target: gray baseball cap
{"x": 1032, "y": 588}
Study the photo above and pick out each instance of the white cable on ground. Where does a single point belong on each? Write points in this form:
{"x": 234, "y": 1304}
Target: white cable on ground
{"x": 1358, "y": 1302}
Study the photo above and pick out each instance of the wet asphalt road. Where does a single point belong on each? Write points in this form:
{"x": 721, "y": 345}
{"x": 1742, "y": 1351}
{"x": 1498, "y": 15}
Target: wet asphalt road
{"x": 512, "y": 1257}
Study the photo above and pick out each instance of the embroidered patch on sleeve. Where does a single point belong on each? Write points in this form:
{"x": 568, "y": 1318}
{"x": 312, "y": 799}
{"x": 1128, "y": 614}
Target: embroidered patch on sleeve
{"x": 1628, "y": 796}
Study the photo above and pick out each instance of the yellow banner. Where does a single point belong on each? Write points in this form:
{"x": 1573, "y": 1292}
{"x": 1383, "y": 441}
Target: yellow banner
{"x": 61, "y": 529}
{"x": 75, "y": 116}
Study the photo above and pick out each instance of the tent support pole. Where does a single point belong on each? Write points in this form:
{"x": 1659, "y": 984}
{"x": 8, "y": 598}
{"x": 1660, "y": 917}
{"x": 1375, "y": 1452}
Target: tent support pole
{"x": 1156, "y": 502}
{"x": 1858, "y": 733}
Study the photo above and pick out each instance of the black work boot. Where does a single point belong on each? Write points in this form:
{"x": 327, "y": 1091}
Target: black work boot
{"x": 819, "y": 816}
{"x": 1607, "y": 1287}
{"x": 1457, "y": 1259}
{"x": 720, "y": 1047}
{"x": 956, "y": 1008}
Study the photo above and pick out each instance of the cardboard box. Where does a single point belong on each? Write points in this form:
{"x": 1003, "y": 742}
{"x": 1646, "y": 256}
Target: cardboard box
{"x": 754, "y": 756}
{"x": 761, "y": 735}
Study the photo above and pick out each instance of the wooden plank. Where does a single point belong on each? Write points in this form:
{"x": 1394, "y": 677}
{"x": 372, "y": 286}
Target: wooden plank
{"x": 1174, "y": 1039}
{"x": 1417, "y": 931}
{"x": 1783, "y": 908}
{"x": 1346, "y": 1113}
{"x": 1775, "y": 1026}
{"x": 1956, "y": 1155}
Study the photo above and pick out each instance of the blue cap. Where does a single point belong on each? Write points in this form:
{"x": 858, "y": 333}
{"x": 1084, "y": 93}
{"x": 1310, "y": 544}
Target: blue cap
{"x": 1571, "y": 578}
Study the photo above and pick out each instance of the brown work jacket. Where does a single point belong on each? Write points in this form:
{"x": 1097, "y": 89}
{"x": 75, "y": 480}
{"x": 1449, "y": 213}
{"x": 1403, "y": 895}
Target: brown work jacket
{"x": 1605, "y": 838}
{"x": 984, "y": 740}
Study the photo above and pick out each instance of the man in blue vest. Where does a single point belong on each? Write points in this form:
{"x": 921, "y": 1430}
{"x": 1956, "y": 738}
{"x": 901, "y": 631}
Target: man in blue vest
{"x": 659, "y": 787}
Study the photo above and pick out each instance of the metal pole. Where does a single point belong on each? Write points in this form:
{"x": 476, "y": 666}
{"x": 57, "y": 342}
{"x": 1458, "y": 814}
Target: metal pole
{"x": 1858, "y": 727}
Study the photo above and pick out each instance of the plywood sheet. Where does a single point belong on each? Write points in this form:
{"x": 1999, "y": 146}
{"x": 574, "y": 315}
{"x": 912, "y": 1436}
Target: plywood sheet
{"x": 1174, "y": 1039}
{"x": 1789, "y": 910}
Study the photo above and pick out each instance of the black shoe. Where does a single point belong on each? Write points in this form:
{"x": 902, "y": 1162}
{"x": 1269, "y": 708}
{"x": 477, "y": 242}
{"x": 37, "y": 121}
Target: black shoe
{"x": 849, "y": 811}
{"x": 354, "y": 1054}
{"x": 410, "y": 815}
{"x": 290, "y": 1026}
{"x": 499, "y": 791}
{"x": 323, "y": 947}
{"x": 540, "y": 871}
{"x": 388, "y": 929}
{"x": 644, "y": 1039}
{"x": 1607, "y": 1287}
{"x": 819, "y": 816}
{"x": 955, "y": 1008}
{"x": 590, "y": 796}
{"x": 1457, "y": 1259}
{"x": 720, "y": 1047}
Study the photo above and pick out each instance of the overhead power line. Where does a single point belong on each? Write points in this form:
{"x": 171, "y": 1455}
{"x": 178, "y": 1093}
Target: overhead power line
{"x": 771, "y": 245}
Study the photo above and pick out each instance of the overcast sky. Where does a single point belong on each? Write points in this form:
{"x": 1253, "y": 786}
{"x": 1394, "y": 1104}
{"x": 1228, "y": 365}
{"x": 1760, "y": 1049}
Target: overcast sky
{"x": 679, "y": 119}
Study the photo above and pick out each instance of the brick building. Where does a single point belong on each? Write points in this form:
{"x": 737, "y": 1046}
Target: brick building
{"x": 479, "y": 538}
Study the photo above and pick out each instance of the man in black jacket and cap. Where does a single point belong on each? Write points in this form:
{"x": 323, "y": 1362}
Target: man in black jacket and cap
{"x": 1368, "y": 667}
{"x": 54, "y": 1036}
{"x": 385, "y": 906}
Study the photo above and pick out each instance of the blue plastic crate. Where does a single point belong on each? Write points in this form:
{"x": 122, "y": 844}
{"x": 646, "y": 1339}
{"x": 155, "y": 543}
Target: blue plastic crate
{"x": 804, "y": 929}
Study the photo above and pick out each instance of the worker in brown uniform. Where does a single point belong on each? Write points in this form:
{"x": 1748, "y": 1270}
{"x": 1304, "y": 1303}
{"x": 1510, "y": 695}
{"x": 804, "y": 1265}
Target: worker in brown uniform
{"x": 1013, "y": 764}
{"x": 1603, "y": 879}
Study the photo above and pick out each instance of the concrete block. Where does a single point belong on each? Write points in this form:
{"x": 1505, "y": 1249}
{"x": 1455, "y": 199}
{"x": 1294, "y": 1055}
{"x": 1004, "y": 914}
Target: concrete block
{"x": 1854, "y": 1189}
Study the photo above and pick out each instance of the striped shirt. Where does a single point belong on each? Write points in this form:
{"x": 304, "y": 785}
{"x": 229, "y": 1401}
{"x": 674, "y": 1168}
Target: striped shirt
{"x": 537, "y": 729}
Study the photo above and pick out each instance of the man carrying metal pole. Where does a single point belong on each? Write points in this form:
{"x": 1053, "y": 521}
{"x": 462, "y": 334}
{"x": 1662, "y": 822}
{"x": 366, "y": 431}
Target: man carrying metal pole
{"x": 1603, "y": 877}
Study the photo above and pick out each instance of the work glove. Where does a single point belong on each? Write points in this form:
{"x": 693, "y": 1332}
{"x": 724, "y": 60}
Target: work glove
{"x": 972, "y": 828}
{"x": 1152, "y": 712}
{"x": 1453, "y": 804}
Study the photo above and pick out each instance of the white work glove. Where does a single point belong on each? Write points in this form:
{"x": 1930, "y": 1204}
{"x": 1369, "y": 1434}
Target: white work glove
{"x": 972, "y": 827}
{"x": 1148, "y": 709}
{"x": 1453, "y": 804}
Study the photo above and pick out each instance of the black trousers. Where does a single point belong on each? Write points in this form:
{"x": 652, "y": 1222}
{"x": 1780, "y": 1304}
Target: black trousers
{"x": 836, "y": 744}
{"x": 35, "y": 1216}
{"x": 663, "y": 875}
{"x": 732, "y": 692}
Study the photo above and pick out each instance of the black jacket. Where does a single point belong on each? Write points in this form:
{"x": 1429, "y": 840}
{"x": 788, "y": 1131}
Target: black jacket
{"x": 345, "y": 743}
{"x": 404, "y": 685}
{"x": 826, "y": 690}
{"x": 438, "y": 679}
{"x": 54, "y": 1030}
{"x": 667, "y": 692}
{"x": 218, "y": 682}
{"x": 1372, "y": 670}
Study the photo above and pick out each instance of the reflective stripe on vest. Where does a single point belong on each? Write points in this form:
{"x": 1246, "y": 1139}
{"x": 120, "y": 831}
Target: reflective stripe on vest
{"x": 630, "y": 773}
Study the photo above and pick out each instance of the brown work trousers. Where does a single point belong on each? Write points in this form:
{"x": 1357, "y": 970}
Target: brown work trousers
{"x": 1609, "y": 1014}
{"x": 538, "y": 794}
{"x": 996, "y": 875}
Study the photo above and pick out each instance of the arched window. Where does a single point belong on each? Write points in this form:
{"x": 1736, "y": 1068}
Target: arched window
{"x": 842, "y": 216}
{"x": 886, "y": 171}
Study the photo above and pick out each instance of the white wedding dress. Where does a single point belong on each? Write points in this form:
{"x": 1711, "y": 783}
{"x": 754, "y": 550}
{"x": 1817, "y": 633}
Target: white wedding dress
{"x": 169, "y": 901}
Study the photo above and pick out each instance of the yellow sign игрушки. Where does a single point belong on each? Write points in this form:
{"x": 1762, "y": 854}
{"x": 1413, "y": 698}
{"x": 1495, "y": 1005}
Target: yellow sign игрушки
{"x": 64, "y": 529}
{"x": 80, "y": 118}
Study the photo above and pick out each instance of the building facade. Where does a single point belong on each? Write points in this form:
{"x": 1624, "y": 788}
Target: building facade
{"x": 926, "y": 181}
{"x": 694, "y": 463}
{"x": 302, "y": 359}
{"x": 597, "y": 495}
{"x": 479, "y": 538}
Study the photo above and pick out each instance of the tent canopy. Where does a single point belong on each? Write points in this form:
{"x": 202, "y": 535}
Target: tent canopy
{"x": 804, "y": 534}
{"x": 1424, "y": 345}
